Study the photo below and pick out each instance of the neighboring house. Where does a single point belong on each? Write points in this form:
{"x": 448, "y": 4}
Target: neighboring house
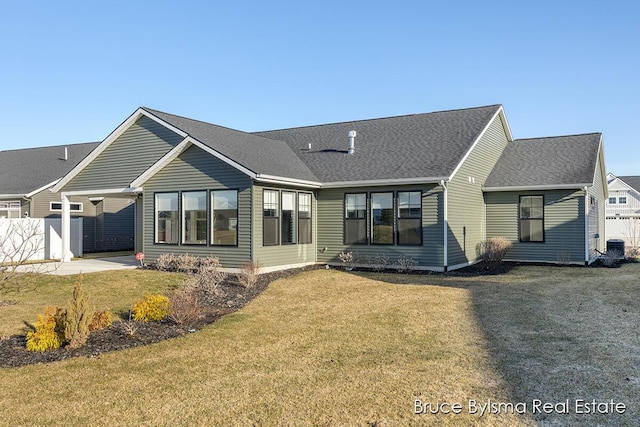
{"x": 427, "y": 186}
{"x": 26, "y": 175}
{"x": 623, "y": 209}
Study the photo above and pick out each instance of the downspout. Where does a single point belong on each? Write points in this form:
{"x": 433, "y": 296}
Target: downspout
{"x": 445, "y": 215}
{"x": 586, "y": 226}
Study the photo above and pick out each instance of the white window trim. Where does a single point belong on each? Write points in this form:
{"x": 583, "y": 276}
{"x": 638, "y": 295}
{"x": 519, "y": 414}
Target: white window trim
{"x": 79, "y": 204}
{"x": 9, "y": 208}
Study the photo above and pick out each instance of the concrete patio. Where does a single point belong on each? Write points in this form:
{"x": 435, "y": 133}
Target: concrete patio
{"x": 83, "y": 266}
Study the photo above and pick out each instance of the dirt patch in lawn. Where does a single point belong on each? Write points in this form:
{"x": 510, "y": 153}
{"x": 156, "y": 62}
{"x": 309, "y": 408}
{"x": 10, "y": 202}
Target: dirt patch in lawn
{"x": 230, "y": 296}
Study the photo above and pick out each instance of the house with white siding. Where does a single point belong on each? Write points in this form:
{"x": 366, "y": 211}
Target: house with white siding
{"x": 429, "y": 186}
{"x": 623, "y": 209}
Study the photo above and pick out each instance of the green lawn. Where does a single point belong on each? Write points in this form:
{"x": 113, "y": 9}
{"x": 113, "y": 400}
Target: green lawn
{"x": 333, "y": 348}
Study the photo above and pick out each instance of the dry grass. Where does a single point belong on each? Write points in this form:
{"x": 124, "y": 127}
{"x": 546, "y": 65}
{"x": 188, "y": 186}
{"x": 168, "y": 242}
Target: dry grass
{"x": 332, "y": 348}
{"x": 113, "y": 290}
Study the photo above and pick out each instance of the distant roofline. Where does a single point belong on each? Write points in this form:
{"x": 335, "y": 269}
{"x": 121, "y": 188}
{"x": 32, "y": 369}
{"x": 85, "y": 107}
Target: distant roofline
{"x": 49, "y": 146}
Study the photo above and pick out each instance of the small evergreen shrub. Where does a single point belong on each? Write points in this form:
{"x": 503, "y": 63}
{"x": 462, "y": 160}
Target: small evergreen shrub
{"x": 78, "y": 316}
{"x": 100, "y": 320}
{"x": 152, "y": 307}
{"x": 48, "y": 332}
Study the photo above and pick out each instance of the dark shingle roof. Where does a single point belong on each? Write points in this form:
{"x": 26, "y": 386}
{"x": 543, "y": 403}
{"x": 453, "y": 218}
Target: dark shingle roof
{"x": 561, "y": 160}
{"x": 427, "y": 145}
{"x": 631, "y": 181}
{"x": 23, "y": 171}
{"x": 260, "y": 155}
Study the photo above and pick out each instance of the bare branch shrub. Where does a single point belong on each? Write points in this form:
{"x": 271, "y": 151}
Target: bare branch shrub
{"x": 185, "y": 309}
{"x": 249, "y": 273}
{"x": 21, "y": 241}
{"x": 612, "y": 258}
{"x": 564, "y": 257}
{"x": 494, "y": 249}
{"x": 406, "y": 263}
{"x": 379, "y": 262}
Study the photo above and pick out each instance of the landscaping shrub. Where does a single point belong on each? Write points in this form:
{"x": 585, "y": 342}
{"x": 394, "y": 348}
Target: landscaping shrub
{"x": 152, "y": 307}
{"x": 612, "y": 258}
{"x": 494, "y": 250}
{"x": 77, "y": 317}
{"x": 185, "y": 263}
{"x": 406, "y": 263}
{"x": 48, "y": 332}
{"x": 185, "y": 307}
{"x": 249, "y": 274}
{"x": 100, "y": 320}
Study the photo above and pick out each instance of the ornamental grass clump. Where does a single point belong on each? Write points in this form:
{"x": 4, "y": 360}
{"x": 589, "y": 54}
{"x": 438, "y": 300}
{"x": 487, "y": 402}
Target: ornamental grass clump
{"x": 153, "y": 307}
{"x": 48, "y": 332}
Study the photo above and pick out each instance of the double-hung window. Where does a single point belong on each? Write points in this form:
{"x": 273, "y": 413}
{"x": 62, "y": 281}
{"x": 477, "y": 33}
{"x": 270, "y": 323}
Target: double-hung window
{"x": 167, "y": 218}
{"x": 622, "y": 200}
{"x": 355, "y": 219}
{"x": 288, "y": 218}
{"x": 224, "y": 217}
{"x": 531, "y": 218}
{"x": 382, "y": 230}
{"x": 409, "y": 218}
{"x": 304, "y": 218}
{"x": 270, "y": 218}
{"x": 194, "y": 220}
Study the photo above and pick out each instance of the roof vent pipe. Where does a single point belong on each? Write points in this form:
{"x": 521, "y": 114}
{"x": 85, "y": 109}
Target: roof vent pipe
{"x": 66, "y": 154}
{"x": 352, "y": 139}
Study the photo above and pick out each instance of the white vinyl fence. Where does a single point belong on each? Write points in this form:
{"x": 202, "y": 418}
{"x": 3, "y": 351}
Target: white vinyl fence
{"x": 36, "y": 239}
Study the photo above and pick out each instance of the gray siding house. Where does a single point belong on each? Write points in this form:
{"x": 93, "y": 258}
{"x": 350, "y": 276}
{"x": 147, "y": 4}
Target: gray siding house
{"x": 26, "y": 175}
{"x": 427, "y": 186}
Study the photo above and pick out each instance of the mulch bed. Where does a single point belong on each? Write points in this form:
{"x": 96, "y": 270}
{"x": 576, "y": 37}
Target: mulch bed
{"x": 230, "y": 297}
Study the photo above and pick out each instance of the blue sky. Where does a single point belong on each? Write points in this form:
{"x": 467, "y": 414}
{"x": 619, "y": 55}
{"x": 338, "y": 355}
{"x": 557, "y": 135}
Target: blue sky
{"x": 73, "y": 71}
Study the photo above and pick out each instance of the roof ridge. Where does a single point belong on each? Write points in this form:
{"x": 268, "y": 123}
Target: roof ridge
{"x": 557, "y": 136}
{"x": 50, "y": 146}
{"x": 378, "y": 118}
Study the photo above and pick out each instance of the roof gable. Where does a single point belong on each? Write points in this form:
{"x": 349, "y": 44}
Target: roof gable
{"x": 248, "y": 152}
{"x": 553, "y": 162}
{"x": 631, "y": 181}
{"x": 25, "y": 171}
{"x": 427, "y": 146}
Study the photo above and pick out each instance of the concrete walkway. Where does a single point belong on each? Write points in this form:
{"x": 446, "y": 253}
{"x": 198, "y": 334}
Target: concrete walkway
{"x": 83, "y": 266}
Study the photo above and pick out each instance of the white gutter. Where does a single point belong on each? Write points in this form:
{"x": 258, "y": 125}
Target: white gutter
{"x": 272, "y": 179}
{"x": 577, "y": 186}
{"x": 382, "y": 182}
{"x": 445, "y": 225}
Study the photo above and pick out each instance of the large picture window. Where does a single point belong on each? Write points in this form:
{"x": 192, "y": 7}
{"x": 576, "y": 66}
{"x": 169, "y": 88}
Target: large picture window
{"x": 167, "y": 218}
{"x": 304, "y": 218}
{"x": 224, "y": 214}
{"x": 382, "y": 218}
{"x": 531, "y": 218}
{"x": 355, "y": 219}
{"x": 288, "y": 218}
{"x": 194, "y": 220}
{"x": 270, "y": 218}
{"x": 409, "y": 218}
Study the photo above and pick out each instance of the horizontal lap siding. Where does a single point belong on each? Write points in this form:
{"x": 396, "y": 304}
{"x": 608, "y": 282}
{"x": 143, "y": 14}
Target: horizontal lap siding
{"x": 331, "y": 227}
{"x": 196, "y": 170}
{"x": 563, "y": 225}
{"x": 139, "y": 147}
{"x": 281, "y": 255}
{"x": 465, "y": 198}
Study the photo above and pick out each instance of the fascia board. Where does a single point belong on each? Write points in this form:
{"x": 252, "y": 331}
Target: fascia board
{"x": 44, "y": 187}
{"x": 499, "y": 112}
{"x": 272, "y": 179}
{"x": 109, "y": 140}
{"x": 382, "y": 182}
{"x": 578, "y": 186}
{"x": 12, "y": 196}
{"x": 101, "y": 191}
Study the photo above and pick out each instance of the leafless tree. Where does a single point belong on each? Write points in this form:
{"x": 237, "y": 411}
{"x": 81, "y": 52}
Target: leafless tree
{"x": 21, "y": 241}
{"x": 632, "y": 233}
